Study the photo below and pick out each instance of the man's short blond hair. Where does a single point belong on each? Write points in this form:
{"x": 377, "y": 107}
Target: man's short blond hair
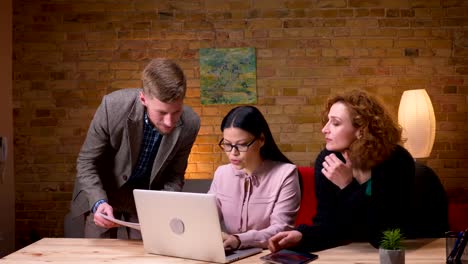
{"x": 164, "y": 79}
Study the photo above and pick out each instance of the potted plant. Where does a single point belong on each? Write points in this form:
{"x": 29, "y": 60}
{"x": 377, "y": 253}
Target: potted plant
{"x": 391, "y": 250}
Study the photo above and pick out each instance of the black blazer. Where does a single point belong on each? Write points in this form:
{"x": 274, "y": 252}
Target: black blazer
{"x": 349, "y": 214}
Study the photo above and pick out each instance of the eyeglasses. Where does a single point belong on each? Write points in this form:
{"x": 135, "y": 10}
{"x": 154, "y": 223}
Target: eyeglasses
{"x": 239, "y": 147}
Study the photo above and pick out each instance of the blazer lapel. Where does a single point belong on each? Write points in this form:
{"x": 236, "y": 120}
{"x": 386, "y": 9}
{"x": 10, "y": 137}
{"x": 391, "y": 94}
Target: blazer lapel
{"x": 165, "y": 148}
{"x": 135, "y": 131}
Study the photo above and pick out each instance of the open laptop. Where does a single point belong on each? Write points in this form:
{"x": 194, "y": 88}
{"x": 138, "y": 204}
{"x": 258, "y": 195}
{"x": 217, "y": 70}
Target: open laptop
{"x": 184, "y": 225}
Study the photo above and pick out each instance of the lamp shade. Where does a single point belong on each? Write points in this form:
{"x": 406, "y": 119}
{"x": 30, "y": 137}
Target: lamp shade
{"x": 416, "y": 117}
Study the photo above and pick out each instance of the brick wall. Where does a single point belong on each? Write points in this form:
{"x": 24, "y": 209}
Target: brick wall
{"x": 68, "y": 54}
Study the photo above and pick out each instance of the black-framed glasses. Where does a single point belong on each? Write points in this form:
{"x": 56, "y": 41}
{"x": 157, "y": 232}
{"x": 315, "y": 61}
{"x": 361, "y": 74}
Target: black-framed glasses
{"x": 239, "y": 147}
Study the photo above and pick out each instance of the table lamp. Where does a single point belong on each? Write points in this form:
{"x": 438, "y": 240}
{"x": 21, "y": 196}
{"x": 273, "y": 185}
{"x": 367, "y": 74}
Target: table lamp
{"x": 416, "y": 117}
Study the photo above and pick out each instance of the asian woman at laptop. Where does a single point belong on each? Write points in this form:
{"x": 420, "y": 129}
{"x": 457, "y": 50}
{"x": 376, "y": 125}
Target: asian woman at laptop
{"x": 258, "y": 193}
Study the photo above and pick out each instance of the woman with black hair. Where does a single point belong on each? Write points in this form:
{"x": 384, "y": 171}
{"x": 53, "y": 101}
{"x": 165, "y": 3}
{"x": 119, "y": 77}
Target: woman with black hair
{"x": 258, "y": 192}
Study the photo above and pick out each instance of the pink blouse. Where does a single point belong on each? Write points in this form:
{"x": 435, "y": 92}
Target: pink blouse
{"x": 256, "y": 207}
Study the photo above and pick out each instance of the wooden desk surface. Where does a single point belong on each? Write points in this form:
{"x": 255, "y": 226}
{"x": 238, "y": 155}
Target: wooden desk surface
{"x": 88, "y": 251}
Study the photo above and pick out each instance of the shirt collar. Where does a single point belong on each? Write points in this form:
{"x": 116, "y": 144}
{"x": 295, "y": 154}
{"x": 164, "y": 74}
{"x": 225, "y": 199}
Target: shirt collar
{"x": 256, "y": 175}
{"x": 148, "y": 123}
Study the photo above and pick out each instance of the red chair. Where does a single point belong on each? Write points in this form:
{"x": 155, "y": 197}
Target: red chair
{"x": 458, "y": 216}
{"x": 309, "y": 201}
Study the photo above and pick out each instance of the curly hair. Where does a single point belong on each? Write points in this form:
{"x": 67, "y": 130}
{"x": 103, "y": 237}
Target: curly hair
{"x": 379, "y": 132}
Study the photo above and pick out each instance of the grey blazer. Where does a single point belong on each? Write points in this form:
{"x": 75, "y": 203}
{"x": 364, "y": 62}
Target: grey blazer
{"x": 112, "y": 146}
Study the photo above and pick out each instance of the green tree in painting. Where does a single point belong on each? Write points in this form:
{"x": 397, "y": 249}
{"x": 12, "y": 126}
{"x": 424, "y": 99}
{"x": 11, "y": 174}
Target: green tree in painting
{"x": 228, "y": 76}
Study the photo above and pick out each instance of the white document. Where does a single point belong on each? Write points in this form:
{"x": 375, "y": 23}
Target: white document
{"x": 120, "y": 222}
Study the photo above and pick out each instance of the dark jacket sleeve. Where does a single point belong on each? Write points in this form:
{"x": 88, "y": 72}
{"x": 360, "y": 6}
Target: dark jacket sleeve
{"x": 392, "y": 187}
{"x": 352, "y": 215}
{"x": 430, "y": 205}
{"x": 327, "y": 230}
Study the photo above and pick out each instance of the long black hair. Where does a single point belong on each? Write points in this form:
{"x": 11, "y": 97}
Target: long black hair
{"x": 250, "y": 119}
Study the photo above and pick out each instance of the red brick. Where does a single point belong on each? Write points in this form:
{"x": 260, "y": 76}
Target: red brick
{"x": 331, "y": 4}
{"x": 377, "y": 43}
{"x": 454, "y": 22}
{"x": 393, "y": 23}
{"x": 425, "y": 3}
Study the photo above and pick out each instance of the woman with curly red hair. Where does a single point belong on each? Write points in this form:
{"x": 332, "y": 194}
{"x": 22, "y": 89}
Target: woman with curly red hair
{"x": 364, "y": 178}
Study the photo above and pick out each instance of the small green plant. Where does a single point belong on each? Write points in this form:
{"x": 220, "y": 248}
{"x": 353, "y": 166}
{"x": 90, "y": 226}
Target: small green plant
{"x": 392, "y": 239}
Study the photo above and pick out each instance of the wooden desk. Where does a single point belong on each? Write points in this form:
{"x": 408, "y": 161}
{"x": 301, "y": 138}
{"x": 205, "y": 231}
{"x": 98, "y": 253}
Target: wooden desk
{"x": 88, "y": 251}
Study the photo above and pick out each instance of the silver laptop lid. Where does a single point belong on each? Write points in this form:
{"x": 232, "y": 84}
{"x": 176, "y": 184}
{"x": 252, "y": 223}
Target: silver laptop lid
{"x": 179, "y": 224}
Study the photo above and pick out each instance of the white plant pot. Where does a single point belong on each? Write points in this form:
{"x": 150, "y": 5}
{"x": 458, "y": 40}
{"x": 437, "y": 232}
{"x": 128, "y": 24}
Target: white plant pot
{"x": 391, "y": 256}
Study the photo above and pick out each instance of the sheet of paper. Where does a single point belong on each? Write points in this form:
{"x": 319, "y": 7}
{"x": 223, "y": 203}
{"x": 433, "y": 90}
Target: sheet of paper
{"x": 120, "y": 222}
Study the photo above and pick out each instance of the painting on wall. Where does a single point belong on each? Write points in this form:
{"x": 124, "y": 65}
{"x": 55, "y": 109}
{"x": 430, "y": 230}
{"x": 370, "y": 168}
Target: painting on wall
{"x": 228, "y": 76}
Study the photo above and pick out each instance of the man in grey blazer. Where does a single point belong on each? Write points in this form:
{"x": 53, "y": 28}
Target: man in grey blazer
{"x": 138, "y": 139}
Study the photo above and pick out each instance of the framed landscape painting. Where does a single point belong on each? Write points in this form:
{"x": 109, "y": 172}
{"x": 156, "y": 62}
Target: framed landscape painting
{"x": 228, "y": 76}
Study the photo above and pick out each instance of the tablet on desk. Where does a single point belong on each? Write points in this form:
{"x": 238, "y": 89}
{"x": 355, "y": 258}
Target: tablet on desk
{"x": 286, "y": 256}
